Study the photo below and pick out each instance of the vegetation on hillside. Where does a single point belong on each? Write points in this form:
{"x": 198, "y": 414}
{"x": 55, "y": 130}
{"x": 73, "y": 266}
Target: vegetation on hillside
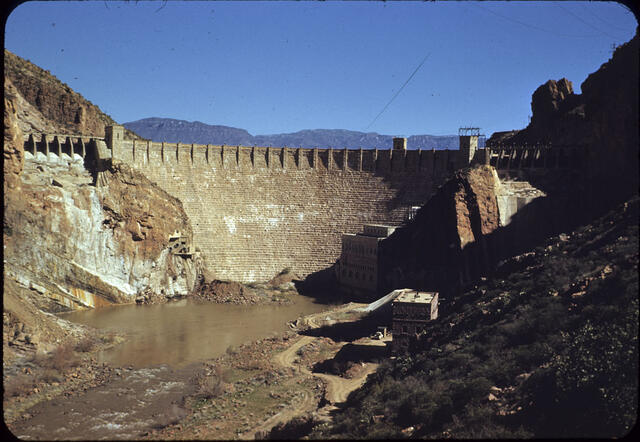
{"x": 546, "y": 347}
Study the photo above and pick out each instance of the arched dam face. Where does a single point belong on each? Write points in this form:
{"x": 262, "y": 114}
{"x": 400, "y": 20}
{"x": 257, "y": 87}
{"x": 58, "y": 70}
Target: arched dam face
{"x": 255, "y": 211}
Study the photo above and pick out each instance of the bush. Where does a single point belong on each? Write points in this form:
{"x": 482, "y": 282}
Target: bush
{"x": 61, "y": 358}
{"x": 209, "y": 386}
{"x": 598, "y": 374}
{"x": 296, "y": 428}
{"x": 19, "y": 385}
{"x": 86, "y": 344}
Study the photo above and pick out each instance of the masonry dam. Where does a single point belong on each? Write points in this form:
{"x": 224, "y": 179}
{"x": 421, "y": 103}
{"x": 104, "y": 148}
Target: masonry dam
{"x": 258, "y": 210}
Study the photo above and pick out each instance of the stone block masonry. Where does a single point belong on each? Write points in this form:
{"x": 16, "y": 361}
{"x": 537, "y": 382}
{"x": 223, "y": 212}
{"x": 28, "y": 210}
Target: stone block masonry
{"x": 258, "y": 210}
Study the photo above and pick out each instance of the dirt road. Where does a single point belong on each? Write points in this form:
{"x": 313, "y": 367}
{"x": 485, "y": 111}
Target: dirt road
{"x": 337, "y": 388}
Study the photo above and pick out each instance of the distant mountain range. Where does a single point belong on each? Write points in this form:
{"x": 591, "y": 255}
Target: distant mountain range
{"x": 174, "y": 131}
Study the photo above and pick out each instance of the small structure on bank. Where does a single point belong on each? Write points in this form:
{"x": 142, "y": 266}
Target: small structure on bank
{"x": 179, "y": 245}
{"x": 411, "y": 310}
{"x": 357, "y": 269}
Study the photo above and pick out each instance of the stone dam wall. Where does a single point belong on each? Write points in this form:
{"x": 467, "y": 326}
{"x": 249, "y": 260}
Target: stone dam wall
{"x": 257, "y": 210}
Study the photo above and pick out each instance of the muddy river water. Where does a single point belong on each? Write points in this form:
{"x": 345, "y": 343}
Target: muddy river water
{"x": 184, "y": 331}
{"x": 162, "y": 348}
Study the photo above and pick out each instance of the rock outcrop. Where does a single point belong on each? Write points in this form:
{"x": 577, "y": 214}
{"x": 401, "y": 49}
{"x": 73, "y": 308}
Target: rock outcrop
{"x": 475, "y": 220}
{"x": 86, "y": 245}
{"x": 433, "y": 250}
{"x": 603, "y": 120}
{"x": 69, "y": 242}
{"x": 58, "y": 109}
{"x": 13, "y": 152}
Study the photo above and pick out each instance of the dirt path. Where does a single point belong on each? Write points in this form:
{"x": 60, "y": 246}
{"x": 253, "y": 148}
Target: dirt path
{"x": 302, "y": 405}
{"x": 288, "y": 356}
{"x": 337, "y": 388}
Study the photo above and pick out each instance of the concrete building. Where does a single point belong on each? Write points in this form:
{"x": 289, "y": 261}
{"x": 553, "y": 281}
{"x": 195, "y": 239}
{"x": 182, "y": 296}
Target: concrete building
{"x": 411, "y": 311}
{"x": 358, "y": 266}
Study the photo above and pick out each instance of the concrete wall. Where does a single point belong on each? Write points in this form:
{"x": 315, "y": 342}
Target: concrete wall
{"x": 359, "y": 262}
{"x": 257, "y": 210}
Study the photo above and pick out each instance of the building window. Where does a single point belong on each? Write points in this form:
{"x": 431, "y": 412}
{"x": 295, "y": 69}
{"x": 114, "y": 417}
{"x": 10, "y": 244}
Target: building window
{"x": 405, "y": 329}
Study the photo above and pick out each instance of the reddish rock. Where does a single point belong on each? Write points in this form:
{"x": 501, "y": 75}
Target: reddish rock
{"x": 13, "y": 146}
{"x": 62, "y": 109}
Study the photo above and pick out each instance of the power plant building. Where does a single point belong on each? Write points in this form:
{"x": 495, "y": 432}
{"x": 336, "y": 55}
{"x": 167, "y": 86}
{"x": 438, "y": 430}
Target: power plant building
{"x": 358, "y": 267}
{"x": 411, "y": 311}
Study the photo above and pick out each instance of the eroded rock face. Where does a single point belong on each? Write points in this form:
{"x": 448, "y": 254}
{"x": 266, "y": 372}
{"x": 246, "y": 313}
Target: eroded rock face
{"x": 58, "y": 108}
{"x": 610, "y": 97}
{"x": 13, "y": 151}
{"x": 546, "y": 100}
{"x": 83, "y": 245}
{"x": 473, "y": 221}
{"x": 603, "y": 120}
{"x": 430, "y": 252}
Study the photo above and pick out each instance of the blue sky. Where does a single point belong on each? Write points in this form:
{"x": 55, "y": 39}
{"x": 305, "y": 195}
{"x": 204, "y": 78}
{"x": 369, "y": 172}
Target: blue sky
{"x": 272, "y": 67}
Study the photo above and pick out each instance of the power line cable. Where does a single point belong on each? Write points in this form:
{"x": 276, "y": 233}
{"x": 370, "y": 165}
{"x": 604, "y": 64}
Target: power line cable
{"x": 529, "y": 25}
{"x": 586, "y": 8}
{"x": 586, "y": 23}
{"x": 399, "y": 90}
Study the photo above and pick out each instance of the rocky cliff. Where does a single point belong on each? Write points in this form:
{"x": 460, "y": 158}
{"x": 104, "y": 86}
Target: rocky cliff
{"x": 84, "y": 246}
{"x": 603, "y": 120}
{"x": 48, "y": 105}
{"x": 73, "y": 244}
{"x": 430, "y": 252}
{"x": 474, "y": 220}
{"x": 13, "y": 153}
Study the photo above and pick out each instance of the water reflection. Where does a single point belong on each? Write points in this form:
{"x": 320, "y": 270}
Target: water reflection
{"x": 182, "y": 332}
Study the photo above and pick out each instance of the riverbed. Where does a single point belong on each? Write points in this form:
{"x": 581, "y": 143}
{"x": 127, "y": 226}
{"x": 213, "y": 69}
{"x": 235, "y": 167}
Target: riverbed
{"x": 164, "y": 347}
{"x": 182, "y": 332}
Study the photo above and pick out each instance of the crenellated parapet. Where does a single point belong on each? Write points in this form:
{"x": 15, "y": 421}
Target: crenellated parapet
{"x": 143, "y": 154}
{"x": 255, "y": 210}
{"x": 56, "y": 144}
{"x": 537, "y": 156}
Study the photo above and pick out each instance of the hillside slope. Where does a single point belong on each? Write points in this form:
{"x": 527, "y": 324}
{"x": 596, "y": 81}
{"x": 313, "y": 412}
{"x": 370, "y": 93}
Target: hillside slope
{"x": 50, "y": 105}
{"x": 69, "y": 243}
{"x": 603, "y": 120}
{"x": 548, "y": 347}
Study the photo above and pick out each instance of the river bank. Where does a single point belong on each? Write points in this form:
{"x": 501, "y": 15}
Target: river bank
{"x": 303, "y": 372}
{"x": 247, "y": 390}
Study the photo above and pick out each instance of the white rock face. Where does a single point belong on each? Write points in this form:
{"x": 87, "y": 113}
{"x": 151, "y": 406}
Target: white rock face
{"x": 70, "y": 252}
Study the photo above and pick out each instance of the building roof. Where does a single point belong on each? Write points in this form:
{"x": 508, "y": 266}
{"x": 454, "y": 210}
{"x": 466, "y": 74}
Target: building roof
{"x": 378, "y": 230}
{"x": 381, "y": 225}
{"x": 414, "y": 296}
